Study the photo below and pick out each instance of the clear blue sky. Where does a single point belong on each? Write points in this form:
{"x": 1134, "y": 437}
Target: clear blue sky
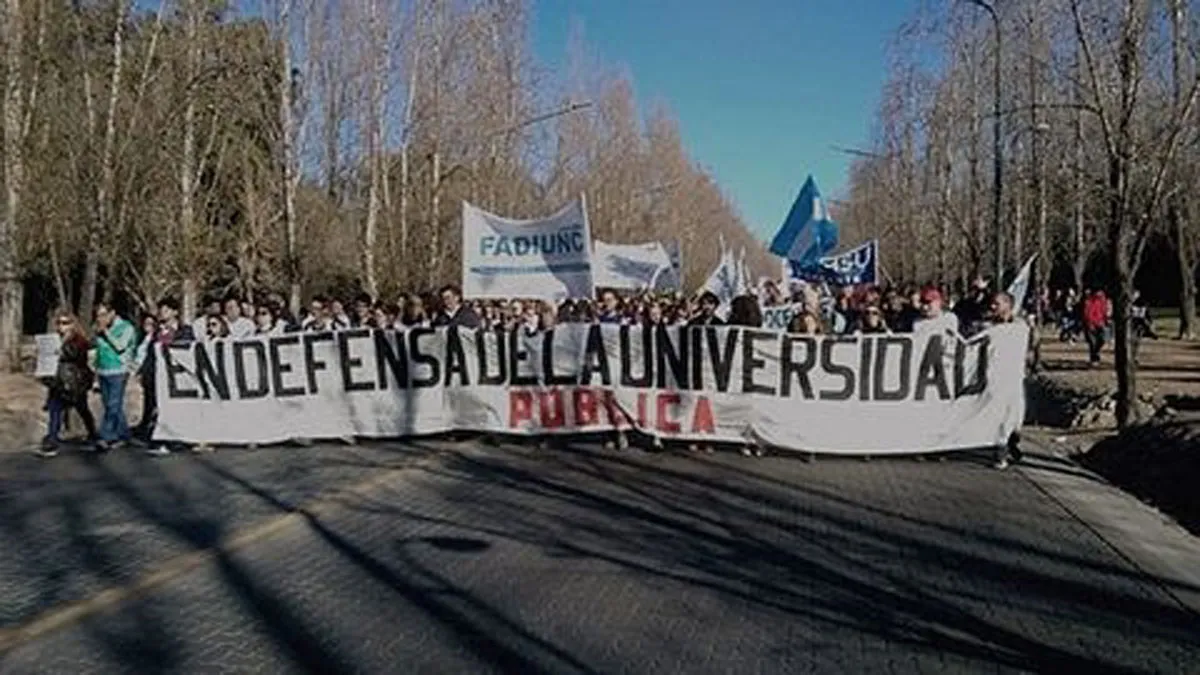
{"x": 762, "y": 88}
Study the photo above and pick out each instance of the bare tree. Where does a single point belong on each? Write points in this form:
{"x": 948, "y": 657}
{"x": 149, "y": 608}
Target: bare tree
{"x": 11, "y": 290}
{"x": 1129, "y": 218}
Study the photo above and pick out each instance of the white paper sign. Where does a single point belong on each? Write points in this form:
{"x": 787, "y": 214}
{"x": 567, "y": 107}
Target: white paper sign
{"x": 48, "y": 345}
{"x": 548, "y": 259}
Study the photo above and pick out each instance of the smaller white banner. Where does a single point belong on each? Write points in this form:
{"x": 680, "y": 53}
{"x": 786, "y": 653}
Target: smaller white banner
{"x": 549, "y": 258}
{"x": 779, "y": 317}
{"x": 649, "y": 266}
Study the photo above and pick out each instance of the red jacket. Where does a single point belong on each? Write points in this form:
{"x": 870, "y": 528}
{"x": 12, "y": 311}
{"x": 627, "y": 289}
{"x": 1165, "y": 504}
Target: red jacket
{"x": 1095, "y": 311}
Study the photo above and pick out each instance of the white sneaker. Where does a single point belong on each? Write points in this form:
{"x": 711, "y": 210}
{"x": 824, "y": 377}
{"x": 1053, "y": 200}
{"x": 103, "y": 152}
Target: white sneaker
{"x": 159, "y": 451}
{"x": 1001, "y": 464}
{"x": 622, "y": 441}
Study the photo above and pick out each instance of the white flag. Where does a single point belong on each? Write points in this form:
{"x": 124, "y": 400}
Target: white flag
{"x": 1020, "y": 286}
{"x": 635, "y": 266}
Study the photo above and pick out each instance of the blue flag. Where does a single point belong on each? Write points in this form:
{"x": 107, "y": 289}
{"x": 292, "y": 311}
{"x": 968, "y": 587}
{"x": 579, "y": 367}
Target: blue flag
{"x": 807, "y": 235}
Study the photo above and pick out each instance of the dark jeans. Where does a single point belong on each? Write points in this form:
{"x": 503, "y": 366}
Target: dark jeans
{"x": 57, "y": 409}
{"x": 1095, "y": 342}
{"x": 1011, "y": 450}
{"x": 145, "y": 426}
{"x": 112, "y": 394}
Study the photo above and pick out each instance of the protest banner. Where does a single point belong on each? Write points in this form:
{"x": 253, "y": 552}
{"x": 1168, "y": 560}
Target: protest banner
{"x": 548, "y": 258}
{"x": 858, "y": 266}
{"x": 868, "y": 394}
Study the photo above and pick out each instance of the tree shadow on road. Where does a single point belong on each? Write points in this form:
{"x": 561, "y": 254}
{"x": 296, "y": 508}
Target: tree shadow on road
{"x": 811, "y": 555}
{"x": 825, "y": 559}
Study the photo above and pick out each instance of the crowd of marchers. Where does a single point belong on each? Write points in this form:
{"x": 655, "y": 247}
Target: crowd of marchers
{"x": 105, "y": 355}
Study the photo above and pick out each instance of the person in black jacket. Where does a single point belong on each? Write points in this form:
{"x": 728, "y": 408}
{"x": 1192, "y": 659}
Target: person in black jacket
{"x": 170, "y": 331}
{"x": 70, "y": 385}
{"x": 454, "y": 312}
{"x": 708, "y": 311}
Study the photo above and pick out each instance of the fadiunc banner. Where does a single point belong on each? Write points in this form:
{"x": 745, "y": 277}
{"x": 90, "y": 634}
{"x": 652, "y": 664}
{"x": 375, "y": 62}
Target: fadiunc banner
{"x": 873, "y": 394}
{"x": 549, "y": 258}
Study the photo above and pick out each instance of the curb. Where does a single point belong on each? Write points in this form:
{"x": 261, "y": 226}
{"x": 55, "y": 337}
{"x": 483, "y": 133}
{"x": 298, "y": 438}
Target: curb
{"x": 1150, "y": 541}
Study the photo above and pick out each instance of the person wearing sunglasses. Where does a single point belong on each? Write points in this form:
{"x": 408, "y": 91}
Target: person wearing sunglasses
{"x": 70, "y": 385}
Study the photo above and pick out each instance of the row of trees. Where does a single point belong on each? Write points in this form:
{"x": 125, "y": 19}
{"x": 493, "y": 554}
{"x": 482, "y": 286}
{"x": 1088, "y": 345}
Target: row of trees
{"x": 315, "y": 146}
{"x": 1097, "y": 144}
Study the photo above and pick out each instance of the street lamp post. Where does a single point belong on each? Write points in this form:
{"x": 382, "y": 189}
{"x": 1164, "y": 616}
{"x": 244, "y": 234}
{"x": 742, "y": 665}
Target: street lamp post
{"x": 997, "y": 160}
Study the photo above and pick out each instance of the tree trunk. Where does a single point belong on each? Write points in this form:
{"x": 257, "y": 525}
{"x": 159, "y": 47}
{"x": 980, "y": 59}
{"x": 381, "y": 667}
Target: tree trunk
{"x": 107, "y": 184}
{"x": 11, "y": 288}
{"x": 1081, "y": 247}
{"x": 288, "y": 160}
{"x": 374, "y": 133}
{"x": 435, "y": 234}
{"x": 1187, "y": 273}
{"x": 1180, "y": 224}
{"x": 187, "y": 188}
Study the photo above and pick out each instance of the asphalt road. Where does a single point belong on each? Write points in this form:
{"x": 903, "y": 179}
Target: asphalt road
{"x": 440, "y": 558}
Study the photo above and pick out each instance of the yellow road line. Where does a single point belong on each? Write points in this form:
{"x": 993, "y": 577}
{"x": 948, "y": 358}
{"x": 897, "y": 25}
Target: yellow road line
{"x": 70, "y": 613}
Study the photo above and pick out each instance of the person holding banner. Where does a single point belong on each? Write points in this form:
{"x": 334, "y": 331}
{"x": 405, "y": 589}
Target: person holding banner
{"x": 1000, "y": 312}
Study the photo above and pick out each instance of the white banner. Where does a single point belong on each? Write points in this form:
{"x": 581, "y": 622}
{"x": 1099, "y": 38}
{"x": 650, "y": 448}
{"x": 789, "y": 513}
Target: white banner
{"x": 650, "y": 266}
{"x": 547, "y": 259}
{"x": 916, "y": 393}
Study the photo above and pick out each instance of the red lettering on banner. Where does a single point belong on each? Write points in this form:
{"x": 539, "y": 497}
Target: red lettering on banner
{"x": 641, "y": 411}
{"x": 586, "y": 412}
{"x": 550, "y": 407}
{"x": 702, "y": 417}
{"x": 616, "y": 416}
{"x": 520, "y": 408}
{"x": 666, "y": 422}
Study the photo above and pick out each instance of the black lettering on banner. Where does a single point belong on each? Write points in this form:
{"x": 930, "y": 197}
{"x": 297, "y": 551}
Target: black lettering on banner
{"x": 672, "y": 358}
{"x": 788, "y": 367}
{"x": 881, "y": 361}
{"x": 980, "y": 382}
{"x": 647, "y": 377}
{"x": 422, "y": 359}
{"x": 751, "y": 363}
{"x": 551, "y": 379}
{"x": 349, "y": 362}
{"x": 517, "y": 354}
{"x": 595, "y": 358}
{"x": 311, "y": 363}
{"x": 866, "y": 349}
{"x": 174, "y": 370}
{"x": 456, "y": 357}
{"x": 696, "y": 336}
{"x": 279, "y": 367}
{"x": 837, "y": 369}
{"x": 262, "y": 386}
{"x": 481, "y": 351}
{"x": 212, "y": 369}
{"x": 721, "y": 356}
{"x": 932, "y": 371}
{"x": 391, "y": 356}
